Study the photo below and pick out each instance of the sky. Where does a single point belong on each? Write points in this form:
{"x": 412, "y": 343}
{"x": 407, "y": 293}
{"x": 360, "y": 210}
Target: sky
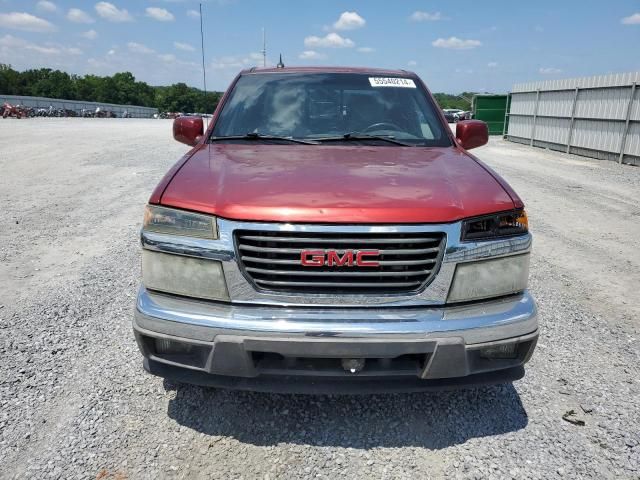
{"x": 466, "y": 45}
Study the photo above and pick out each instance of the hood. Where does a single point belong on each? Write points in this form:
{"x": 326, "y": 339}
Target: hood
{"x": 335, "y": 184}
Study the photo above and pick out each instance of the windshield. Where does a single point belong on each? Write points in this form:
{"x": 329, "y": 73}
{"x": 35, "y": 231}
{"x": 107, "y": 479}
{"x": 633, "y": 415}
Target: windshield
{"x": 328, "y": 105}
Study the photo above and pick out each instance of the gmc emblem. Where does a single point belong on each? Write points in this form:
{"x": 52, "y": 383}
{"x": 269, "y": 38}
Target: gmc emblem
{"x": 332, "y": 258}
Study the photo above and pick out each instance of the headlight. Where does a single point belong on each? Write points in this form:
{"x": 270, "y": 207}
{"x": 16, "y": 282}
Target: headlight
{"x": 489, "y": 278}
{"x": 179, "y": 222}
{"x": 505, "y": 224}
{"x": 191, "y": 277}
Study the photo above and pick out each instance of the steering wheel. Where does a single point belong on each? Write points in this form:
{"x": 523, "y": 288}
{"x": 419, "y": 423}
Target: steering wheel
{"x": 378, "y": 126}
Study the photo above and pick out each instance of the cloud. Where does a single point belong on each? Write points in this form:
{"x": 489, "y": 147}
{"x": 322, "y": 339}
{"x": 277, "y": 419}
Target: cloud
{"x": 631, "y": 19}
{"x": 9, "y": 41}
{"x": 110, "y": 12}
{"x": 167, "y": 57}
{"x": 412, "y": 63}
{"x": 549, "y": 70}
{"x": 366, "y": 49}
{"x": 311, "y": 55}
{"x": 419, "y": 16}
{"x": 76, "y": 15}
{"x": 30, "y": 52}
{"x": 20, "y": 46}
{"x": 26, "y": 22}
{"x": 193, "y": 13}
{"x": 229, "y": 62}
{"x": 236, "y": 62}
{"x": 89, "y": 34}
{"x": 46, "y": 6}
{"x": 492, "y": 64}
{"x": 156, "y": 69}
{"x": 139, "y": 48}
{"x": 183, "y": 46}
{"x": 456, "y": 43}
{"x": 331, "y": 40}
{"x": 160, "y": 14}
{"x": 349, "y": 21}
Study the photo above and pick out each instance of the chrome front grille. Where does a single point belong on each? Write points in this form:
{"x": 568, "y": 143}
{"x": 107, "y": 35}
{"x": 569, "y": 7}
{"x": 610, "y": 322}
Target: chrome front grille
{"x": 271, "y": 260}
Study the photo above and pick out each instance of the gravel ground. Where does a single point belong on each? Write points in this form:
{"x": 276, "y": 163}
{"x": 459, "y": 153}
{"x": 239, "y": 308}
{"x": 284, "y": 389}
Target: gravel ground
{"x": 75, "y": 402}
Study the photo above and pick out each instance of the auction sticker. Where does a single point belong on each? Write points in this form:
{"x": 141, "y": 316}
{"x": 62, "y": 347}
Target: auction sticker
{"x": 391, "y": 82}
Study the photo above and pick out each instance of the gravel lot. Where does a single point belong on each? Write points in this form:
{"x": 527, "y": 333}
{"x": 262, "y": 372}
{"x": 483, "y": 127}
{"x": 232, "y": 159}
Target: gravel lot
{"x": 75, "y": 402}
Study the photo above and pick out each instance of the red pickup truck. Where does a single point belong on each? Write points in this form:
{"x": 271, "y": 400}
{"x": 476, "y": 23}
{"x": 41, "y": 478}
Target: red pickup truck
{"x": 328, "y": 232}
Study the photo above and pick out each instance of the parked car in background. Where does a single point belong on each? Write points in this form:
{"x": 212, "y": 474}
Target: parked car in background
{"x": 458, "y": 114}
{"x": 329, "y": 233}
{"x": 449, "y": 115}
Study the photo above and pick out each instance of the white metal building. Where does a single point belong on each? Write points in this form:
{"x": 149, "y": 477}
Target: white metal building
{"x": 592, "y": 116}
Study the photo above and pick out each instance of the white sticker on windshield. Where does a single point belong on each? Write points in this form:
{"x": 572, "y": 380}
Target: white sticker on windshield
{"x": 391, "y": 82}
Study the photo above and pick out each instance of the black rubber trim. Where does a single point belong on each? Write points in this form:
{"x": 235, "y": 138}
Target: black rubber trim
{"x": 320, "y": 385}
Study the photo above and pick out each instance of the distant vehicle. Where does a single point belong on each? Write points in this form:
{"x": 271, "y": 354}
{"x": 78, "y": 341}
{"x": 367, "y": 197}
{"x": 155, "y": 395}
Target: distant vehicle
{"x": 462, "y": 115}
{"x": 455, "y": 114}
{"x": 448, "y": 115}
{"x": 17, "y": 111}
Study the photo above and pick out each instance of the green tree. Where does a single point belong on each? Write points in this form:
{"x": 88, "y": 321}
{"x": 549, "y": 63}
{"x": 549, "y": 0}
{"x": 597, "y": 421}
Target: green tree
{"x": 9, "y": 80}
{"x": 462, "y": 101}
{"x": 121, "y": 88}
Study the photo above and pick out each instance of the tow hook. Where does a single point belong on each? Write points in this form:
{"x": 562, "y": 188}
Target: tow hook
{"x": 353, "y": 365}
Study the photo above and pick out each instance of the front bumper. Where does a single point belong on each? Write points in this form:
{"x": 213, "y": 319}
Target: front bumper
{"x": 303, "y": 349}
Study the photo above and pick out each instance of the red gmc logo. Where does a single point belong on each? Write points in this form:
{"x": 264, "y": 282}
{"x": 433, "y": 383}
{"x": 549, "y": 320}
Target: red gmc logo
{"x": 332, "y": 258}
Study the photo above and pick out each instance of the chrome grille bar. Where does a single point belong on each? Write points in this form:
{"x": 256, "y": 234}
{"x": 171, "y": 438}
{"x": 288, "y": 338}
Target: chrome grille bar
{"x": 346, "y": 273}
{"x": 417, "y": 251}
{"x": 427, "y": 261}
{"x": 333, "y": 241}
{"x": 282, "y": 283}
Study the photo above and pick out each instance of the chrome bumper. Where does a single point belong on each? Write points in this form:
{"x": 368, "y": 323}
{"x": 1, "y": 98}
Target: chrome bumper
{"x": 226, "y": 339}
{"x": 203, "y": 321}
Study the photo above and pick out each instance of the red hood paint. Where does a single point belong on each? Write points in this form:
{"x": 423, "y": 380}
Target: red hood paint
{"x": 335, "y": 184}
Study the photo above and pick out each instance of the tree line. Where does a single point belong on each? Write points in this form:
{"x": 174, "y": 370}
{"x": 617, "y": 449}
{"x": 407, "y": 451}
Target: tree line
{"x": 121, "y": 88}
{"x": 462, "y": 101}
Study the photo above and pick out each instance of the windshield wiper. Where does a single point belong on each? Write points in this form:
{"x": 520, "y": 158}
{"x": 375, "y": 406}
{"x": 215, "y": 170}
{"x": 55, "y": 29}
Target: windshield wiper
{"x": 260, "y": 136}
{"x": 355, "y": 136}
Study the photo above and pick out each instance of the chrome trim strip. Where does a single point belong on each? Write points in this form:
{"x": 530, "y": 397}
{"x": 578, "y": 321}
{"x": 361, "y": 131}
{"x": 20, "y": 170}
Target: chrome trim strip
{"x": 242, "y": 291}
{"x": 187, "y": 246}
{"x": 473, "y": 251}
{"x": 200, "y": 320}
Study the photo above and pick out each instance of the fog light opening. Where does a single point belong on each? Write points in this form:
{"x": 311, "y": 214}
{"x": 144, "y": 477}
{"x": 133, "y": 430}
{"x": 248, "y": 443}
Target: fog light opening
{"x": 504, "y": 351}
{"x": 352, "y": 365}
{"x": 169, "y": 347}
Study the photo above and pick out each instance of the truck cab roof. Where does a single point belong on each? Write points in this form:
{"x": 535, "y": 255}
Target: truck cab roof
{"x": 317, "y": 69}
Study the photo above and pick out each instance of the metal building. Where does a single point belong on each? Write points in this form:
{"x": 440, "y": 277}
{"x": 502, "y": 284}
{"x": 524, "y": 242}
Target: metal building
{"x": 78, "y": 105}
{"x": 596, "y": 117}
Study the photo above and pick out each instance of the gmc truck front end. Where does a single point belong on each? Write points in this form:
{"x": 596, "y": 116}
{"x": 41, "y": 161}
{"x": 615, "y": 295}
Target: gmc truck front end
{"x": 335, "y": 308}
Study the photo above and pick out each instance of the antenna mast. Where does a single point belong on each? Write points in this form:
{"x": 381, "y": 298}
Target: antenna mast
{"x": 204, "y": 71}
{"x": 264, "y": 48}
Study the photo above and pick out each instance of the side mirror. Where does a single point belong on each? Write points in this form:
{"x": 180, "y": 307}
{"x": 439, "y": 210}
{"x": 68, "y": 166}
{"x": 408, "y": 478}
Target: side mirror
{"x": 472, "y": 133}
{"x": 188, "y": 130}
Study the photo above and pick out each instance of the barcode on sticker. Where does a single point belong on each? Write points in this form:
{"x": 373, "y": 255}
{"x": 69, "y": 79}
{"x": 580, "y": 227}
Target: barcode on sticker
{"x": 391, "y": 82}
